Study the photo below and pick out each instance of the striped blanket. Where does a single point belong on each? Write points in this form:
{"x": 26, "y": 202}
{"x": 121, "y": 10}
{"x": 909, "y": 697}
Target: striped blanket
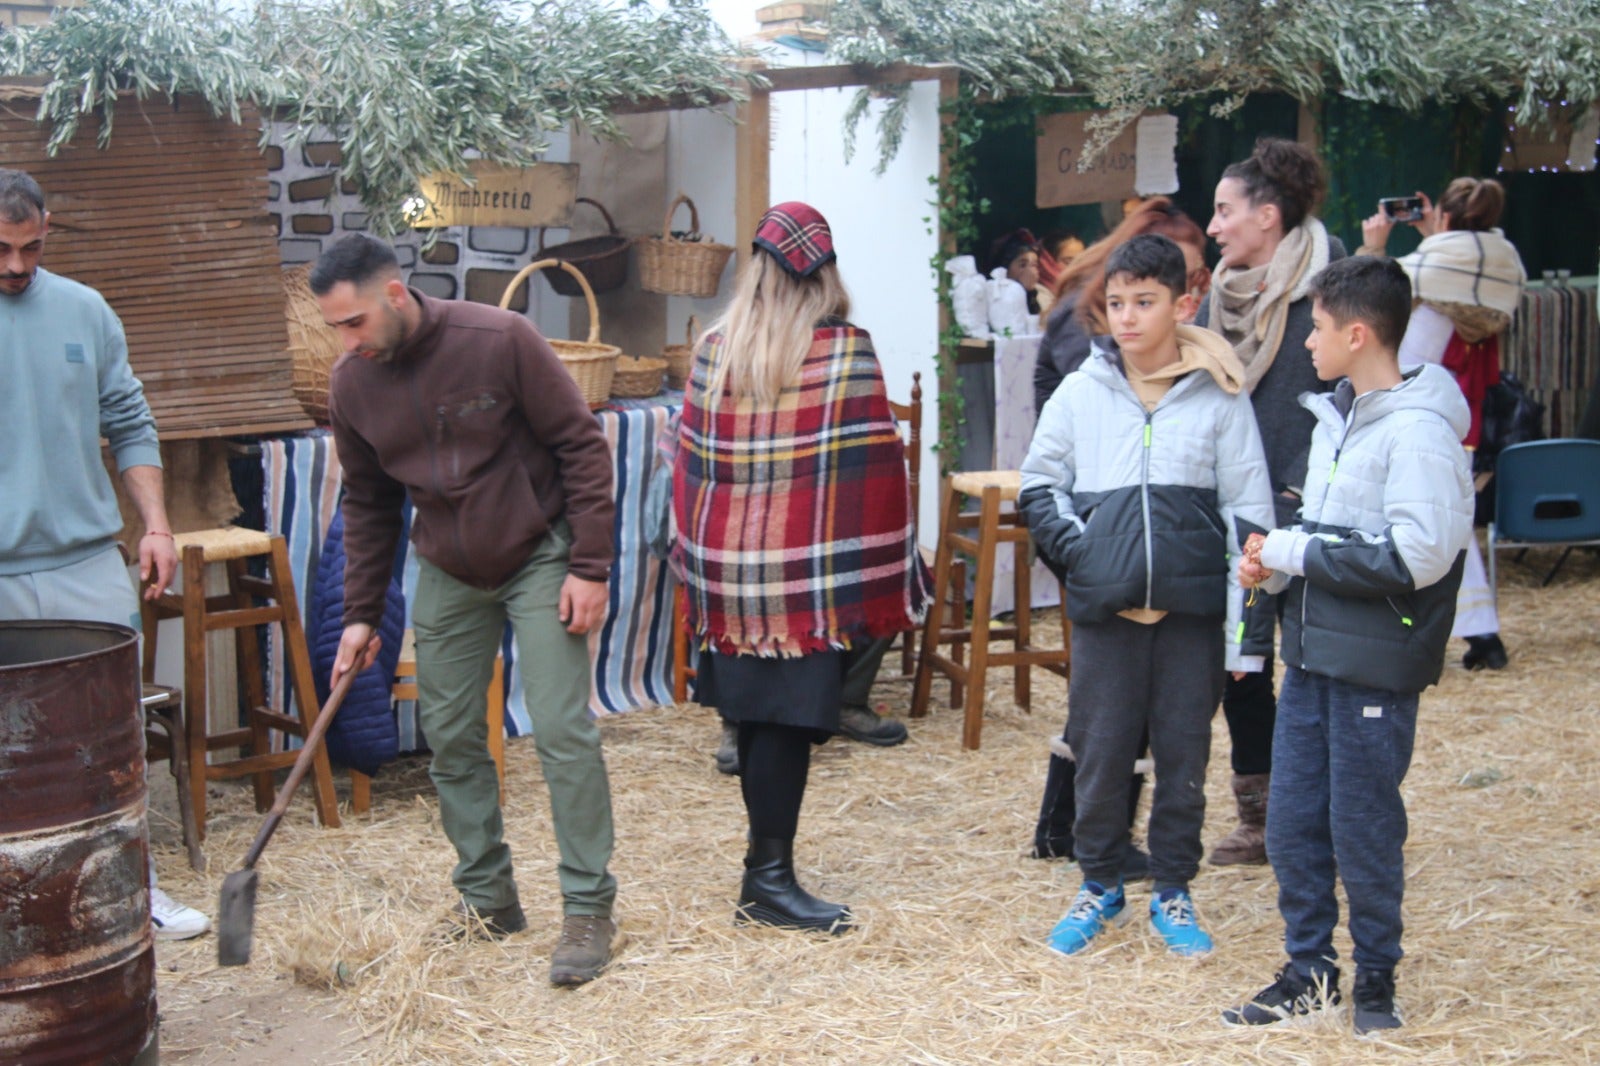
{"x": 631, "y": 650}
{"x": 795, "y": 532}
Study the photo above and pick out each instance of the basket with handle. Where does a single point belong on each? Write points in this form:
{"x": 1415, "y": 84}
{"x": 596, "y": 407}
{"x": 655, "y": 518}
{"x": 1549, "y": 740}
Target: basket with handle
{"x": 603, "y": 260}
{"x": 590, "y": 363}
{"x": 313, "y": 344}
{"x": 638, "y": 377}
{"x": 678, "y": 266}
{"x": 680, "y": 357}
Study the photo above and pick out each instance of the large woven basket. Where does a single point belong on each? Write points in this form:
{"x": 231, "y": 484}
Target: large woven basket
{"x": 313, "y": 344}
{"x": 590, "y": 363}
{"x": 680, "y": 357}
{"x": 603, "y": 259}
{"x": 638, "y": 378}
{"x": 679, "y": 266}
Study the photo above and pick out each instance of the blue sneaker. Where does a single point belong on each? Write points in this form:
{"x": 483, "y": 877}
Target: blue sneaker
{"x": 1172, "y": 915}
{"x": 1093, "y": 909}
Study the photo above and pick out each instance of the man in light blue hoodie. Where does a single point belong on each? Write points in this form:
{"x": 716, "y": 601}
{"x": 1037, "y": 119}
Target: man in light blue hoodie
{"x": 65, "y": 364}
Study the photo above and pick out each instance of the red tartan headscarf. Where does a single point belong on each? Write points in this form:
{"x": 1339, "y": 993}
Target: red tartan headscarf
{"x": 797, "y": 236}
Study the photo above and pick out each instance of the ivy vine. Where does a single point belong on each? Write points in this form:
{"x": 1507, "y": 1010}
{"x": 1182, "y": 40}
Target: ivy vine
{"x": 956, "y": 209}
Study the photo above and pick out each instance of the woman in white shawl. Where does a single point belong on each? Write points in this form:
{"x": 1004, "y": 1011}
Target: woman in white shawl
{"x": 1466, "y": 279}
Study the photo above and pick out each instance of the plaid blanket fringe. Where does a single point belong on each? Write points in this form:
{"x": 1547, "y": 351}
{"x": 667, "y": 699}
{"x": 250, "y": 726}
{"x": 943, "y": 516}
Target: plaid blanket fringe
{"x": 795, "y": 531}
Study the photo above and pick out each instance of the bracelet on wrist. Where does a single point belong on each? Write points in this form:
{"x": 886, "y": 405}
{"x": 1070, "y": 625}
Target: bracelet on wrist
{"x": 159, "y": 533}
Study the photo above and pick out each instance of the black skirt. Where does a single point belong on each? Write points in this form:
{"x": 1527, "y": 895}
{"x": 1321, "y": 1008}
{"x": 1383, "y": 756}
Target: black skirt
{"x": 802, "y": 692}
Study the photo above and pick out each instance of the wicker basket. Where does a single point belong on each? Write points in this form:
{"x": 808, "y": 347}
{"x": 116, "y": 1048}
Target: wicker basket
{"x": 680, "y": 357}
{"x": 679, "y": 267}
{"x": 603, "y": 260}
{"x": 313, "y": 344}
{"x": 637, "y": 378}
{"x": 590, "y": 363}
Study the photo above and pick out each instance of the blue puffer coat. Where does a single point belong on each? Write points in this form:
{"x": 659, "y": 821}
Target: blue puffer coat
{"x": 364, "y": 734}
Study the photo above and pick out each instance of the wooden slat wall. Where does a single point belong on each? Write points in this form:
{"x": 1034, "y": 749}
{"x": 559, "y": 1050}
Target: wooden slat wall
{"x": 170, "y": 224}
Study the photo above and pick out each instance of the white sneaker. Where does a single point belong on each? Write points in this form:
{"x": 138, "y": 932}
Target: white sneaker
{"x": 172, "y": 920}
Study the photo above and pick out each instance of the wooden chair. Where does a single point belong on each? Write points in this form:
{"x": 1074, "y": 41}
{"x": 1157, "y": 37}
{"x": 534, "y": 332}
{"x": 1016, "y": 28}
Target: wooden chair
{"x": 238, "y": 609}
{"x": 993, "y": 528}
{"x": 911, "y": 415}
{"x": 405, "y": 688}
{"x": 164, "y": 739}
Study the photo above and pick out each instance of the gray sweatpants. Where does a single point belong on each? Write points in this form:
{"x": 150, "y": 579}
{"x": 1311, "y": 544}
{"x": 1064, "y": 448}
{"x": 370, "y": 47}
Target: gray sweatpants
{"x": 1124, "y": 676}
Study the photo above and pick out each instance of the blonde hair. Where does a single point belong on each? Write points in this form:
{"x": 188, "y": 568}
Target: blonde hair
{"x": 766, "y": 330}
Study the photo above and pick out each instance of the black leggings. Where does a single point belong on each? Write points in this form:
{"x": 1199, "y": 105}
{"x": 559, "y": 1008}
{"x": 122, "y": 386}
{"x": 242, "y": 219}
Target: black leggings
{"x": 773, "y": 763}
{"x": 1252, "y": 712}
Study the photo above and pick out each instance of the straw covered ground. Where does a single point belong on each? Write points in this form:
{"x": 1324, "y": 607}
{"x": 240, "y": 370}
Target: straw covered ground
{"x": 928, "y": 842}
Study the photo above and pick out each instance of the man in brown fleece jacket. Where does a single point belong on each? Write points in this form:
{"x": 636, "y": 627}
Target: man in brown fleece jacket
{"x": 467, "y": 409}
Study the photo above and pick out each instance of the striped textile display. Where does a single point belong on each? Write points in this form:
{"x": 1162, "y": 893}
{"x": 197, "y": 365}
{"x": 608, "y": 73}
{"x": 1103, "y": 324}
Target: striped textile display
{"x": 1553, "y": 347}
{"x": 631, "y": 650}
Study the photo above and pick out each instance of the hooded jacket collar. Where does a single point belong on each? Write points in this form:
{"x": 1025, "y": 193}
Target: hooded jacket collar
{"x": 1425, "y": 388}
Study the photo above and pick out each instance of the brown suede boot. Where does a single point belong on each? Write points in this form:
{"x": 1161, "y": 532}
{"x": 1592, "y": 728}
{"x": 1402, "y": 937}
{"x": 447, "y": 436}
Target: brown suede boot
{"x": 1247, "y": 844}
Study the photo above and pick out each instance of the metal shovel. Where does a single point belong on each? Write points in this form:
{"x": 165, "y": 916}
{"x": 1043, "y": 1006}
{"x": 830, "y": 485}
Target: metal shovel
{"x": 236, "y": 910}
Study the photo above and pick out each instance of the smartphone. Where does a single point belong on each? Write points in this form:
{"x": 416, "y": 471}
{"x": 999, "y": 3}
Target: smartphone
{"x": 1402, "y": 208}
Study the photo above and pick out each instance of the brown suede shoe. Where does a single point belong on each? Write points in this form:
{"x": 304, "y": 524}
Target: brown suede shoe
{"x": 586, "y": 945}
{"x": 469, "y": 922}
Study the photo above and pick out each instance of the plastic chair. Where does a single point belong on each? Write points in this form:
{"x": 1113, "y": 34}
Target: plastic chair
{"x": 1547, "y": 492}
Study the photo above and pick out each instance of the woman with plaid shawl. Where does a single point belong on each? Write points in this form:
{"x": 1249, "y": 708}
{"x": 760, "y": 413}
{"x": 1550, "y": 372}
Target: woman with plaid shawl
{"x": 795, "y": 534}
{"x": 1466, "y": 283}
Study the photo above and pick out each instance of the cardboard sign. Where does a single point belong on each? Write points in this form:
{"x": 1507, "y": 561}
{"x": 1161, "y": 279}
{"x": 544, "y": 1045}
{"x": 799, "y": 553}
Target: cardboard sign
{"x": 1058, "y": 181}
{"x": 540, "y": 195}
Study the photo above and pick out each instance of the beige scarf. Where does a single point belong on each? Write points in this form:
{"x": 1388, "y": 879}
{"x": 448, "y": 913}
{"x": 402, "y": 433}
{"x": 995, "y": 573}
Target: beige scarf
{"x": 1250, "y": 307}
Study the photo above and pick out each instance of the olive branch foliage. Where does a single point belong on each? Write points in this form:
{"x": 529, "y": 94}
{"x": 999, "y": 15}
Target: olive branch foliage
{"x": 1132, "y": 55}
{"x": 406, "y": 87}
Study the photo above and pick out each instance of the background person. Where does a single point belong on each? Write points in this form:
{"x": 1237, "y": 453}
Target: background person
{"x": 1467, "y": 282}
{"x": 509, "y": 476}
{"x": 1272, "y": 246}
{"x": 1021, "y": 254}
{"x": 64, "y": 361}
{"x": 789, "y": 461}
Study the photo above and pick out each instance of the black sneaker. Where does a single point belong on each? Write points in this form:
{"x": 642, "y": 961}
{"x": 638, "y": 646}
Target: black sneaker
{"x": 1136, "y": 864}
{"x": 1288, "y": 995}
{"x": 1374, "y": 1001}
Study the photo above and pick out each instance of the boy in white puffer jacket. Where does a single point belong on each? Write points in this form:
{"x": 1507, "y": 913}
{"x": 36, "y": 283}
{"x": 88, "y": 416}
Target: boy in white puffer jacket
{"x": 1144, "y": 478}
{"x": 1371, "y": 572}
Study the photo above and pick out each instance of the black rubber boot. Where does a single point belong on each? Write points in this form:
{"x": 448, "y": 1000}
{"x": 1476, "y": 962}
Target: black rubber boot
{"x": 1052, "y": 837}
{"x": 770, "y": 894}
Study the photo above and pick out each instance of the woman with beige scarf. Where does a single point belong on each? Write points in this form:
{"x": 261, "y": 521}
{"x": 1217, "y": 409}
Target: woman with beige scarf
{"x": 1272, "y": 246}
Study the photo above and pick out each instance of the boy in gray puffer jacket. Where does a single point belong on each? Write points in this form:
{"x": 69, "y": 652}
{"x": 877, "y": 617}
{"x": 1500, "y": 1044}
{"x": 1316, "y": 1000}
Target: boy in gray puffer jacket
{"x": 1371, "y": 571}
{"x": 1144, "y": 478}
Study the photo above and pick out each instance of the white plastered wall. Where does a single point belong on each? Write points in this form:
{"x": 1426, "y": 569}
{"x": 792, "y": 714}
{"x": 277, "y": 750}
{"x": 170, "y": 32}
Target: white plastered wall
{"x": 880, "y": 228}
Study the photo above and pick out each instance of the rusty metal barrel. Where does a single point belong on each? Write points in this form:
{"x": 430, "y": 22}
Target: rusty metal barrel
{"x": 77, "y": 960}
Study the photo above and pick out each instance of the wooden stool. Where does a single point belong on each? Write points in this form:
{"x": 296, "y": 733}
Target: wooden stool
{"x": 164, "y": 739}
{"x": 993, "y": 529}
{"x": 405, "y": 688}
{"x": 235, "y": 609}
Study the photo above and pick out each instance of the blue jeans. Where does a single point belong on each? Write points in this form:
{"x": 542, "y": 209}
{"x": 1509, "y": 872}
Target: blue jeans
{"x": 1339, "y": 754}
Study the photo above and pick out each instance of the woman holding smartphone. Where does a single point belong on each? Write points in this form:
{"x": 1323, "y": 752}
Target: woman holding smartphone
{"x": 1467, "y": 280}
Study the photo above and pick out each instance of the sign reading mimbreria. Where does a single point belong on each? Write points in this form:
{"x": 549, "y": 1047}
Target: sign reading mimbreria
{"x": 524, "y": 197}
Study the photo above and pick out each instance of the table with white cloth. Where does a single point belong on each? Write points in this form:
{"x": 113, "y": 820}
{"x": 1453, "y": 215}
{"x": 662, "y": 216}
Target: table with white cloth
{"x": 1014, "y": 420}
{"x": 630, "y": 651}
